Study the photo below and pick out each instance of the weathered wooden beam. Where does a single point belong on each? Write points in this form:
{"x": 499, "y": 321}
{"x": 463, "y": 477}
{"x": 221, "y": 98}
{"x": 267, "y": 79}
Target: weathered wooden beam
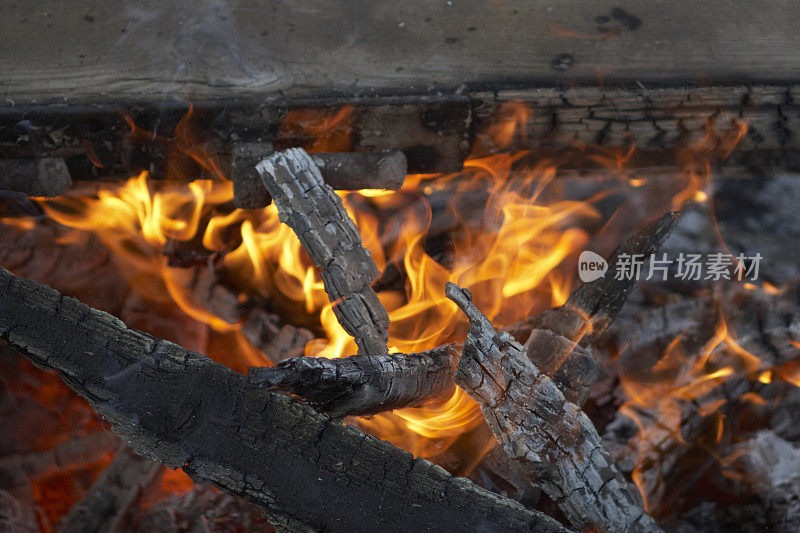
{"x": 318, "y": 217}
{"x": 363, "y": 384}
{"x": 184, "y": 410}
{"x": 88, "y": 50}
{"x": 552, "y": 439}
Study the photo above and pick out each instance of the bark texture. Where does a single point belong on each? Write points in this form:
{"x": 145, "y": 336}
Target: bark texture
{"x": 182, "y": 409}
{"x": 362, "y": 384}
{"x": 317, "y": 216}
{"x": 552, "y": 439}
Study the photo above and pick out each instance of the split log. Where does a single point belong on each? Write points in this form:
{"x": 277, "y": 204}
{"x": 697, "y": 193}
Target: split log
{"x": 109, "y": 500}
{"x": 45, "y": 176}
{"x": 552, "y": 439}
{"x": 184, "y": 410}
{"x": 317, "y": 216}
{"x": 591, "y": 308}
{"x": 363, "y": 384}
{"x": 347, "y": 171}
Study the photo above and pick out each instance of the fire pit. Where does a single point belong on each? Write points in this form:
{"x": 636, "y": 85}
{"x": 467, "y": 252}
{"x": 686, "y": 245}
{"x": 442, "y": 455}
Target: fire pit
{"x": 365, "y": 297}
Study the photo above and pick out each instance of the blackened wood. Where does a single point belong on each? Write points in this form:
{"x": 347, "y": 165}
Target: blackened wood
{"x": 184, "y": 410}
{"x": 552, "y": 439}
{"x": 316, "y": 214}
{"x": 45, "y": 176}
{"x": 363, "y": 384}
{"x": 371, "y": 170}
{"x": 105, "y": 506}
{"x": 267, "y": 333}
{"x": 603, "y": 298}
{"x": 348, "y": 171}
{"x": 248, "y": 190}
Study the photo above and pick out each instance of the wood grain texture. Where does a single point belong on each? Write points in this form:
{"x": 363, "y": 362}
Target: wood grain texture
{"x": 206, "y": 49}
{"x": 182, "y": 409}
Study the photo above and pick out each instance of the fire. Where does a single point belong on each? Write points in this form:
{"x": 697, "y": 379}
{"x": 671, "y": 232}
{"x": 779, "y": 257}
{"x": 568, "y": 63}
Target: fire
{"x": 509, "y": 255}
{"x": 658, "y": 397}
{"x": 508, "y": 245}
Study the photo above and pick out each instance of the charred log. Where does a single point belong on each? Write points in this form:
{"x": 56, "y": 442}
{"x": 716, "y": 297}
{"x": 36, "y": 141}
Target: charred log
{"x": 317, "y": 216}
{"x": 348, "y": 171}
{"x": 46, "y": 176}
{"x": 362, "y": 384}
{"x": 552, "y": 439}
{"x": 186, "y": 411}
{"x": 111, "y": 497}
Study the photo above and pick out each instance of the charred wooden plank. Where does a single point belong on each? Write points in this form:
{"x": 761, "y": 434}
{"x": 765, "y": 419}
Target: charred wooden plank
{"x": 422, "y": 49}
{"x": 553, "y": 440}
{"x": 363, "y": 384}
{"x": 311, "y": 208}
{"x": 186, "y": 411}
{"x": 348, "y": 171}
{"x": 105, "y": 506}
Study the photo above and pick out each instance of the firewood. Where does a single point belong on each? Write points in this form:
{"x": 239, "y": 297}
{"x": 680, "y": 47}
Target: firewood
{"x": 317, "y": 216}
{"x": 348, "y": 171}
{"x": 105, "y": 506}
{"x": 553, "y": 440}
{"x": 186, "y": 411}
{"x": 77, "y": 452}
{"x": 45, "y": 176}
{"x": 363, "y": 384}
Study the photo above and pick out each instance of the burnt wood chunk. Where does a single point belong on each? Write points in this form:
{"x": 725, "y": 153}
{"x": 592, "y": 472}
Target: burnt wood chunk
{"x": 603, "y": 298}
{"x": 45, "y": 176}
{"x": 552, "y": 439}
{"x": 363, "y": 384}
{"x": 343, "y": 171}
{"x": 316, "y": 214}
{"x": 180, "y": 408}
{"x": 106, "y": 505}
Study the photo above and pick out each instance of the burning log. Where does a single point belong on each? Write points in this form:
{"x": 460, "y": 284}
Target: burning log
{"x": 317, "y": 216}
{"x": 348, "y": 171}
{"x": 363, "y": 384}
{"x": 44, "y": 176}
{"x": 186, "y": 411}
{"x": 553, "y": 440}
{"x": 110, "y": 499}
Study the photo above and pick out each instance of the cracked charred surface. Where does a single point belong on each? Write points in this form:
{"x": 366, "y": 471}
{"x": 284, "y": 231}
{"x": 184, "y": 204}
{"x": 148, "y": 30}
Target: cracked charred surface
{"x": 363, "y": 384}
{"x": 316, "y": 214}
{"x": 180, "y": 408}
{"x": 553, "y": 440}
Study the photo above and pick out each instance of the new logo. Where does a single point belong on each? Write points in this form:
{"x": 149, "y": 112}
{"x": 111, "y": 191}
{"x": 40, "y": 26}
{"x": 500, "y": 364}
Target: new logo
{"x": 591, "y": 266}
